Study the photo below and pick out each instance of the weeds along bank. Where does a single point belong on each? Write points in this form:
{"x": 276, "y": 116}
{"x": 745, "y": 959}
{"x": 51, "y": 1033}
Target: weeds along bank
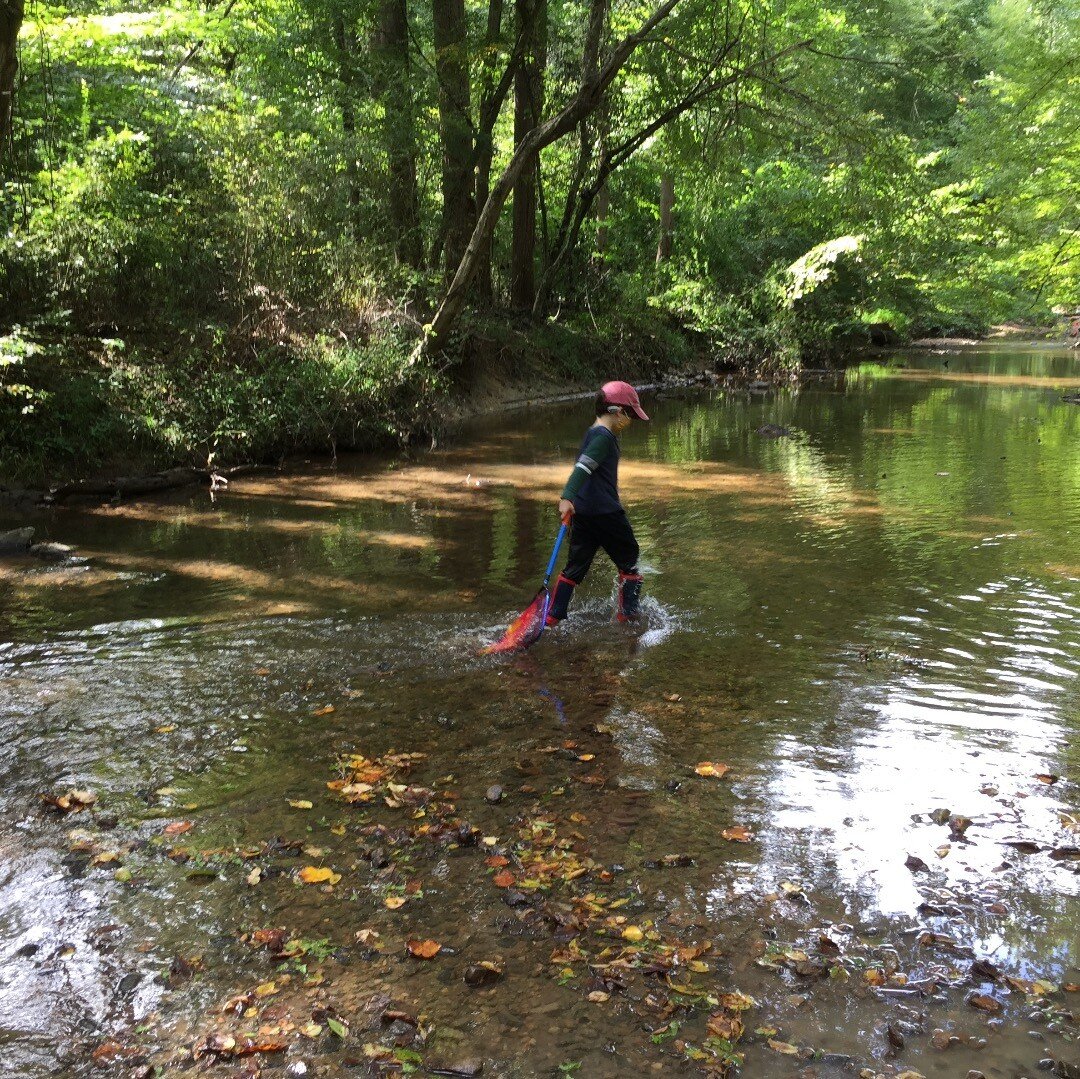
{"x": 75, "y": 406}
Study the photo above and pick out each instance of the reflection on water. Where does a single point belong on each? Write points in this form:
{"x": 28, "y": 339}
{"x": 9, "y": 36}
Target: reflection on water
{"x": 870, "y": 620}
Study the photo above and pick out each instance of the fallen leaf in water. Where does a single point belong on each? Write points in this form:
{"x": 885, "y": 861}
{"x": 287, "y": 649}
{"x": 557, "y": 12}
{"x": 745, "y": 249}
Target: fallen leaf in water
{"x": 873, "y": 976}
{"x": 633, "y": 934}
{"x": 496, "y": 861}
{"x": 105, "y": 857}
{"x": 225, "y": 1045}
{"x": 737, "y": 833}
{"x": 503, "y": 879}
{"x": 254, "y": 877}
{"x": 267, "y": 989}
{"x": 725, "y": 1026}
{"x": 1045, "y": 777}
{"x": 108, "y": 1052}
{"x": 711, "y": 768}
{"x": 985, "y": 1003}
{"x": 943, "y": 850}
{"x": 598, "y": 996}
{"x": 324, "y": 711}
{"x": 394, "y": 902}
{"x": 783, "y": 1047}
{"x": 1071, "y": 987}
{"x": 366, "y": 936}
{"x": 301, "y": 803}
{"x": 178, "y": 827}
{"x": 262, "y": 672}
{"x": 72, "y": 802}
{"x": 272, "y": 939}
{"x": 337, "y": 829}
{"x": 737, "y": 1002}
{"x": 423, "y": 949}
{"x": 165, "y": 728}
{"x": 790, "y": 889}
{"x": 586, "y": 756}
{"x": 318, "y": 875}
{"x": 311, "y": 1030}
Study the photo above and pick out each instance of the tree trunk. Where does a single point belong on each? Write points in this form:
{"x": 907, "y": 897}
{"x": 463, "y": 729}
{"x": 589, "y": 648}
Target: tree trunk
{"x": 390, "y": 47}
{"x": 667, "y": 216}
{"x": 528, "y": 109}
{"x": 595, "y": 81}
{"x": 603, "y": 205}
{"x": 344, "y": 45}
{"x": 455, "y": 130}
{"x": 11, "y": 17}
{"x": 485, "y": 149}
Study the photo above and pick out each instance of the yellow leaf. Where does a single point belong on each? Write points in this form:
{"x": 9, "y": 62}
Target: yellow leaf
{"x": 338, "y": 829}
{"x": 267, "y": 989}
{"x": 710, "y": 768}
{"x": 633, "y": 934}
{"x": 300, "y": 803}
{"x": 324, "y": 875}
{"x": 324, "y": 711}
{"x": 393, "y": 902}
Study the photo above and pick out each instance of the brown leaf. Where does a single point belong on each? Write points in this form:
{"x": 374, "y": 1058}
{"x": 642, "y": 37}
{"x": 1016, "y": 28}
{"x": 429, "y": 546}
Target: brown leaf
{"x": 503, "y": 879}
{"x": 1044, "y": 777}
{"x": 178, "y": 827}
{"x": 725, "y": 1026}
{"x": 985, "y": 1003}
{"x": 324, "y": 711}
{"x": 712, "y": 768}
{"x": 737, "y": 833}
{"x": 423, "y": 949}
{"x": 496, "y": 861}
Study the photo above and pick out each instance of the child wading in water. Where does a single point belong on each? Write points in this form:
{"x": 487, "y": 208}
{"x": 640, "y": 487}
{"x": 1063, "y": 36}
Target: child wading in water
{"x": 591, "y": 494}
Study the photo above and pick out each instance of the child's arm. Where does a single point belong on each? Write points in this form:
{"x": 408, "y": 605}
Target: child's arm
{"x": 596, "y": 451}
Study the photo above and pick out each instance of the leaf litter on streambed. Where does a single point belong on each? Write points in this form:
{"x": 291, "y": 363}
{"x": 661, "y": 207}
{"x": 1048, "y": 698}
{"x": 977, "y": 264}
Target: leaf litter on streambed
{"x": 590, "y": 929}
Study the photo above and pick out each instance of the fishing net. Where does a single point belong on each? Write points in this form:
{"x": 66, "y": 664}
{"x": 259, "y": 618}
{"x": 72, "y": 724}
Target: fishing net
{"x": 526, "y": 628}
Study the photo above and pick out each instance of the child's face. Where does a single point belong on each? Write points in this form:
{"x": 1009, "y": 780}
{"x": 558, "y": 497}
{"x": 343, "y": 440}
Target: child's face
{"x": 621, "y": 421}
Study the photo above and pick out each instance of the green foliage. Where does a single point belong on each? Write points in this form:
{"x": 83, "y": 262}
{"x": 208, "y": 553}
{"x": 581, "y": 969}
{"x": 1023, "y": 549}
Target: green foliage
{"x": 216, "y": 186}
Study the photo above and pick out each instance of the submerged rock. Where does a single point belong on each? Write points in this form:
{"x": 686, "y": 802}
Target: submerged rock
{"x": 773, "y": 430}
{"x": 52, "y": 552}
{"x": 17, "y": 541}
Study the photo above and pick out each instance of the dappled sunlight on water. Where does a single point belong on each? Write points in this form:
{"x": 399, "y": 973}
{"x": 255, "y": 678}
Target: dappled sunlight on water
{"x": 875, "y": 622}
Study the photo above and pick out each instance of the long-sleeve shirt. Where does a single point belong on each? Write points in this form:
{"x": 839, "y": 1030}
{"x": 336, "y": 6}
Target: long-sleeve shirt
{"x": 593, "y": 485}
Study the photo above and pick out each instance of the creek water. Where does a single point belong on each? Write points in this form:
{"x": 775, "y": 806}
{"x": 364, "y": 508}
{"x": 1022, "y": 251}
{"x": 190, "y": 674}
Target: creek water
{"x": 872, "y": 620}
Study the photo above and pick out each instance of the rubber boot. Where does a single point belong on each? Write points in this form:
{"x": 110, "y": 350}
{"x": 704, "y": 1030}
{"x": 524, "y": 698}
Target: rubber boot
{"x": 629, "y": 597}
{"x": 560, "y": 602}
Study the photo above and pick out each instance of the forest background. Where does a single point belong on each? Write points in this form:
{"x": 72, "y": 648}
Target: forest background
{"x": 234, "y": 229}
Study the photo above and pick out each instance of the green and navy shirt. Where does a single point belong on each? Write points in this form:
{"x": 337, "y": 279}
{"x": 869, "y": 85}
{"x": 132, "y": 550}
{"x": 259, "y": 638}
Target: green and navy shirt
{"x": 593, "y": 486}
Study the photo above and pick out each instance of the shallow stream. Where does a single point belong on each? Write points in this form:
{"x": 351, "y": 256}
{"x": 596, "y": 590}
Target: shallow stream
{"x": 871, "y": 620}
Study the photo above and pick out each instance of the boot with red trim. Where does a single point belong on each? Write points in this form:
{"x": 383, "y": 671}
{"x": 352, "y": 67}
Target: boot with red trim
{"x": 560, "y": 602}
{"x": 629, "y": 597}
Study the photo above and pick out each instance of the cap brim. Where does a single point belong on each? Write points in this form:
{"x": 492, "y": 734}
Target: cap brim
{"x": 637, "y": 412}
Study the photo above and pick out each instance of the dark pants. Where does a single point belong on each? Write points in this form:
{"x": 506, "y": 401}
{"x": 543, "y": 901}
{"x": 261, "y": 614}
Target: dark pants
{"x": 589, "y": 533}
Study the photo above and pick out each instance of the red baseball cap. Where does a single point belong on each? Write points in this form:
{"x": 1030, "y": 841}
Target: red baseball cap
{"x": 622, "y": 393}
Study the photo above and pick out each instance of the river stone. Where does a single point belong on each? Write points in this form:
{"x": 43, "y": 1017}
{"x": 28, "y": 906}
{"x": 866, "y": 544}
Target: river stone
{"x": 52, "y": 552}
{"x": 494, "y": 793}
{"x": 16, "y": 541}
{"x": 462, "y": 1067}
